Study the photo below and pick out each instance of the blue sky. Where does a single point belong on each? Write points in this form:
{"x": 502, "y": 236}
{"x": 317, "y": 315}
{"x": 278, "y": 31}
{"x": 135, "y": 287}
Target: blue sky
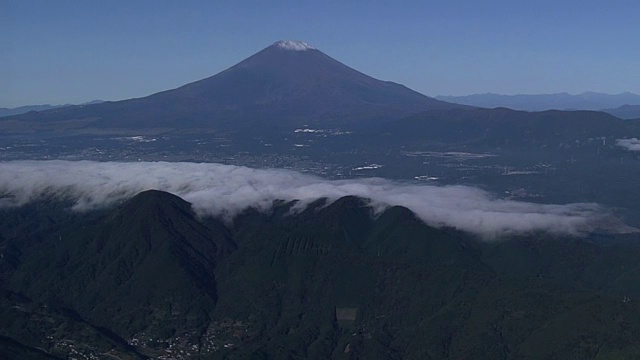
{"x": 75, "y": 51}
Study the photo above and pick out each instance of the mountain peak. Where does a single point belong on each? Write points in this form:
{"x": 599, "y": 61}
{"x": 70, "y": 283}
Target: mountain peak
{"x": 289, "y": 83}
{"x": 293, "y": 45}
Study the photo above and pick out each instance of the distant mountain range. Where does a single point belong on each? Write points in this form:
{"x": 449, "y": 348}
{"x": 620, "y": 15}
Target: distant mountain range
{"x": 28, "y": 108}
{"x": 505, "y": 128}
{"x": 541, "y": 102}
{"x": 627, "y": 112}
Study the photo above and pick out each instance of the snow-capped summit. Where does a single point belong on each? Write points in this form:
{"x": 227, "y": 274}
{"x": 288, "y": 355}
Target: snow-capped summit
{"x": 293, "y": 45}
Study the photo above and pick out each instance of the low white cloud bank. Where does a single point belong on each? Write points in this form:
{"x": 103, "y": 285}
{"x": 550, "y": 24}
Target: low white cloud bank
{"x": 225, "y": 190}
{"x": 632, "y": 144}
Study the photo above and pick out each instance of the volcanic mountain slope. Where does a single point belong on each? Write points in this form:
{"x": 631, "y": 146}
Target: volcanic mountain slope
{"x": 288, "y": 83}
{"x": 150, "y": 278}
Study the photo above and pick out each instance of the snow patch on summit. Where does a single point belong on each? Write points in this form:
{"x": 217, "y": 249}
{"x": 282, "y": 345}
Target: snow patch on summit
{"x": 293, "y": 45}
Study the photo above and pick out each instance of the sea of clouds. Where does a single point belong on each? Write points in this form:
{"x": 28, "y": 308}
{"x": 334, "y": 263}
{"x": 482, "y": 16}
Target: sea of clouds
{"x": 225, "y": 190}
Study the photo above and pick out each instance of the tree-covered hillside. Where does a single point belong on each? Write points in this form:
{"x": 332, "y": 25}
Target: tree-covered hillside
{"x": 151, "y": 279}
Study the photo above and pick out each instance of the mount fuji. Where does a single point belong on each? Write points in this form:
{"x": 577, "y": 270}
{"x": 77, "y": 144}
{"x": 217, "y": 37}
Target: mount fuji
{"x": 286, "y": 84}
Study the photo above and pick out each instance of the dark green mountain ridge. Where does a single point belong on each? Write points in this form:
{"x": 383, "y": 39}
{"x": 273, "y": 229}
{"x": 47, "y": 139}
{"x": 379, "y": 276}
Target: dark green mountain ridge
{"x": 149, "y": 277}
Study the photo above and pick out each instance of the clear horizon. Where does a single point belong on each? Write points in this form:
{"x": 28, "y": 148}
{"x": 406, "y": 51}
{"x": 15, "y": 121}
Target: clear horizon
{"x": 68, "y": 52}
